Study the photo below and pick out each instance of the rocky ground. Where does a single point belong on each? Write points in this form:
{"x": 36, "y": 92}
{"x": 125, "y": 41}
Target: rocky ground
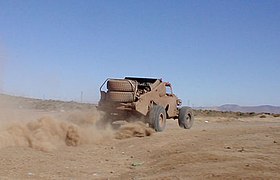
{"x": 59, "y": 140}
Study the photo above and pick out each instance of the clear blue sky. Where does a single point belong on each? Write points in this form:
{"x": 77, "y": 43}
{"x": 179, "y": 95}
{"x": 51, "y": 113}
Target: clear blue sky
{"x": 212, "y": 51}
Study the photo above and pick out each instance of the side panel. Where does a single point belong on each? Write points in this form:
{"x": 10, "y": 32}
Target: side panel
{"x": 169, "y": 101}
{"x": 157, "y": 96}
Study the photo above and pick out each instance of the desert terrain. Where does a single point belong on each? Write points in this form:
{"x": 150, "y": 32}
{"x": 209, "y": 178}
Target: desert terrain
{"x": 59, "y": 140}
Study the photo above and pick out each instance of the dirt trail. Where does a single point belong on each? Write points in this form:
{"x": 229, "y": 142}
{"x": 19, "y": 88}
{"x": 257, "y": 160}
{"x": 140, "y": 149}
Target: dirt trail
{"x": 38, "y": 144}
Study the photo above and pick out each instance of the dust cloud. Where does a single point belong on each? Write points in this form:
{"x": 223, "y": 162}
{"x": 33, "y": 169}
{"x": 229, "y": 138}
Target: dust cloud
{"x": 47, "y": 131}
{"x": 3, "y": 60}
{"x": 134, "y": 129}
{"x": 21, "y": 124}
{"x": 2, "y": 65}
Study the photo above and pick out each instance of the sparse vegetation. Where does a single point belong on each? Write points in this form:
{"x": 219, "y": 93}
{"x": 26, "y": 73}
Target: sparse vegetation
{"x": 276, "y": 115}
{"x": 213, "y": 113}
{"x": 263, "y": 116}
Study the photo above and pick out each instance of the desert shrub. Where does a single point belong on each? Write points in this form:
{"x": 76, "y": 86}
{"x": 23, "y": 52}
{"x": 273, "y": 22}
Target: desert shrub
{"x": 252, "y": 113}
{"x": 262, "y": 116}
{"x": 276, "y": 115}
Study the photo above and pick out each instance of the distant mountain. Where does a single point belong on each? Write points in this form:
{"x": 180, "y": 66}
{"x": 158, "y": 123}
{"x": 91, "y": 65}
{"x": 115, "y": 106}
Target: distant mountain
{"x": 237, "y": 108}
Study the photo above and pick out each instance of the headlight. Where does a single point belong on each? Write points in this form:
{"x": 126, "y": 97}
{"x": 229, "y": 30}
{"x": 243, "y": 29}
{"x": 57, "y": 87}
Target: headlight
{"x": 179, "y": 102}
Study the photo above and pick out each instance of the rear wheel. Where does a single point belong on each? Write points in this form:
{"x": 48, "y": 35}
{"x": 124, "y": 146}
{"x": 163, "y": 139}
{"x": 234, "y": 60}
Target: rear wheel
{"x": 186, "y": 118}
{"x": 157, "y": 118}
{"x": 103, "y": 122}
{"x": 109, "y": 121}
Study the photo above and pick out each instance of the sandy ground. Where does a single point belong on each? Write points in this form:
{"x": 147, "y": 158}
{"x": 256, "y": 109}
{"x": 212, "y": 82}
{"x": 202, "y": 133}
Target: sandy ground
{"x": 65, "y": 144}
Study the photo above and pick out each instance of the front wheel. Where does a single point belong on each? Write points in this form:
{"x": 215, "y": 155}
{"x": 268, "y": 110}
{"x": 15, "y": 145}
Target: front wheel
{"x": 186, "y": 118}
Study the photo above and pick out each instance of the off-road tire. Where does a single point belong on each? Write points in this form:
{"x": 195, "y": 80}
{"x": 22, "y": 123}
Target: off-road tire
{"x": 121, "y": 85}
{"x": 120, "y": 96}
{"x": 157, "y": 118}
{"x": 186, "y": 118}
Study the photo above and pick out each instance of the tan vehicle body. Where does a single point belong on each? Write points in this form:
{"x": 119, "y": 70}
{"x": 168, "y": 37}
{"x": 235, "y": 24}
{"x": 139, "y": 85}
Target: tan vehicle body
{"x": 158, "y": 96}
{"x": 137, "y": 97}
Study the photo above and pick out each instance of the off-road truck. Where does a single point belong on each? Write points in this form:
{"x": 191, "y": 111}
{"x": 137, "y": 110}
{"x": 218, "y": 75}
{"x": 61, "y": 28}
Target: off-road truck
{"x": 147, "y": 99}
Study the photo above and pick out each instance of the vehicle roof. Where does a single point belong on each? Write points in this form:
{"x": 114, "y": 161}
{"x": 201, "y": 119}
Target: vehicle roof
{"x": 141, "y": 79}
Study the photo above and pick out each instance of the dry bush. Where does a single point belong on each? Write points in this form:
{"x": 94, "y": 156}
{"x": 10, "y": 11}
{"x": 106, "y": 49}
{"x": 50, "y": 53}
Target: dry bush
{"x": 276, "y": 115}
